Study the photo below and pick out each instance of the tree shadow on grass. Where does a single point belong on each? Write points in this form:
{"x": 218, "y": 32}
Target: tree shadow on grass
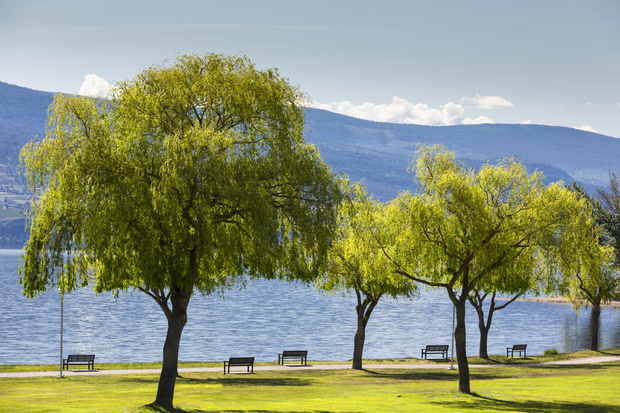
{"x": 484, "y": 374}
{"x": 478, "y": 402}
{"x": 413, "y": 375}
{"x": 153, "y": 409}
{"x": 248, "y": 380}
{"x": 228, "y": 380}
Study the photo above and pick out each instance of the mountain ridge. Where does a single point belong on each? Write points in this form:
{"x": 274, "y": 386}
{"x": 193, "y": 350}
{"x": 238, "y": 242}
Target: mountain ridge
{"x": 561, "y": 153}
{"x": 379, "y": 153}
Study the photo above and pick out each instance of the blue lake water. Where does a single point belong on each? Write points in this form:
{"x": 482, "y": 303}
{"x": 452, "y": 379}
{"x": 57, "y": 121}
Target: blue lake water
{"x": 266, "y": 318}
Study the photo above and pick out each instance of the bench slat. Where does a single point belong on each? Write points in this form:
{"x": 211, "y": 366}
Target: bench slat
{"x": 80, "y": 359}
{"x": 239, "y": 361}
{"x": 302, "y": 355}
{"x": 436, "y": 349}
{"x": 520, "y": 348}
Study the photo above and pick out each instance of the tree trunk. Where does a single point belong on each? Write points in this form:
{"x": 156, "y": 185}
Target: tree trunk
{"x": 364, "y": 309}
{"x": 176, "y": 321}
{"x": 358, "y": 341}
{"x": 484, "y": 334}
{"x": 594, "y": 326}
{"x": 460, "y": 342}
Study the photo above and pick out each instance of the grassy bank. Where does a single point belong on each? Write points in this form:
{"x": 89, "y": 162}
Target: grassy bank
{"x": 493, "y": 359}
{"x": 587, "y": 388}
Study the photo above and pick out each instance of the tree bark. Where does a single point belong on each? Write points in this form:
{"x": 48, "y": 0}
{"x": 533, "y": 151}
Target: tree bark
{"x": 176, "y": 321}
{"x": 364, "y": 309}
{"x": 358, "y": 341}
{"x": 594, "y": 326}
{"x": 460, "y": 343}
{"x": 483, "y": 326}
{"x": 484, "y": 335}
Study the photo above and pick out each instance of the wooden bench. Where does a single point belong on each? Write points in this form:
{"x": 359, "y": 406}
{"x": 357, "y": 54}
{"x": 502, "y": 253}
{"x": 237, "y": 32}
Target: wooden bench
{"x": 239, "y": 361}
{"x": 435, "y": 349}
{"x": 79, "y": 360}
{"x": 521, "y": 348}
{"x": 302, "y": 355}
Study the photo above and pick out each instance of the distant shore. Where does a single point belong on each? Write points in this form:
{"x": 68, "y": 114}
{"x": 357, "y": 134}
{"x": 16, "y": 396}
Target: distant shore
{"x": 562, "y": 300}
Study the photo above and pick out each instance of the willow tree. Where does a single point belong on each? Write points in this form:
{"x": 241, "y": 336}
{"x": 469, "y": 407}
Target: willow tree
{"x": 467, "y": 227}
{"x": 192, "y": 177}
{"x": 590, "y": 276}
{"x": 357, "y": 264}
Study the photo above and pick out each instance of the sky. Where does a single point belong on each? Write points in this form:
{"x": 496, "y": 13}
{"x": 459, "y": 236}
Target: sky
{"x": 435, "y": 62}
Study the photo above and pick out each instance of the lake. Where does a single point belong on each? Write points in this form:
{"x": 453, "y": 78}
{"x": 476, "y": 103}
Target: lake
{"x": 266, "y": 318}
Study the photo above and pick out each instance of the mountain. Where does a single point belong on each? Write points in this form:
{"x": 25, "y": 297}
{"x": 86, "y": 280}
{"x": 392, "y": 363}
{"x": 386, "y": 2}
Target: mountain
{"x": 381, "y": 152}
{"x": 23, "y": 116}
{"x": 378, "y": 153}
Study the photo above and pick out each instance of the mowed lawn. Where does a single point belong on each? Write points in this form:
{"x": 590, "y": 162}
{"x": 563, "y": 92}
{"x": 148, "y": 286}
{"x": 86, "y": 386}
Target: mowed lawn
{"x": 573, "y": 388}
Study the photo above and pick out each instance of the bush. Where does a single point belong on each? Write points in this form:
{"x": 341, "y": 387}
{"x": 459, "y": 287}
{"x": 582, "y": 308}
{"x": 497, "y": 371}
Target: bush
{"x": 551, "y": 352}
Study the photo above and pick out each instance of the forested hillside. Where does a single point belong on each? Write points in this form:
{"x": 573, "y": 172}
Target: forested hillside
{"x": 377, "y": 152}
{"x": 23, "y": 115}
{"x": 381, "y": 152}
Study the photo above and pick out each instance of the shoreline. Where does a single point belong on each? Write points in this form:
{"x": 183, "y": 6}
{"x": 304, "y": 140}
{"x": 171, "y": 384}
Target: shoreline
{"x": 562, "y": 300}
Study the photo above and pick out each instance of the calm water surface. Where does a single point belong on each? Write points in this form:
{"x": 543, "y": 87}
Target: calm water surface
{"x": 264, "y": 319}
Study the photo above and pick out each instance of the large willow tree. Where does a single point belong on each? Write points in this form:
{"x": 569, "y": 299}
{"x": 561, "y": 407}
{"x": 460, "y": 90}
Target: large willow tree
{"x": 478, "y": 228}
{"x": 194, "y": 175}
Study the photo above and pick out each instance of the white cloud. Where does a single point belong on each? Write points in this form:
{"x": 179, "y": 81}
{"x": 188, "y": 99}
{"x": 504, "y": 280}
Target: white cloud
{"x": 586, "y": 128}
{"x": 403, "y": 111}
{"x": 617, "y": 105}
{"x": 94, "y": 85}
{"x": 479, "y": 120}
{"x": 526, "y": 122}
{"x": 488, "y": 102}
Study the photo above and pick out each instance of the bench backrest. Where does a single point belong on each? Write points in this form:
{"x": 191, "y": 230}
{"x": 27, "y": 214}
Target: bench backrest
{"x": 80, "y": 357}
{"x": 298, "y": 353}
{"x": 241, "y": 360}
{"x": 437, "y": 348}
{"x": 519, "y": 347}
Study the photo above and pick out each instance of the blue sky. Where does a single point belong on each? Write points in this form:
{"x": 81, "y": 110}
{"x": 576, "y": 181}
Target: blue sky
{"x": 554, "y": 62}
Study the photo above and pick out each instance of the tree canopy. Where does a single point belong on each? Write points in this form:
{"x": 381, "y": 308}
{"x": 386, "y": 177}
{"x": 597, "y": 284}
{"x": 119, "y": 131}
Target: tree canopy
{"x": 192, "y": 176}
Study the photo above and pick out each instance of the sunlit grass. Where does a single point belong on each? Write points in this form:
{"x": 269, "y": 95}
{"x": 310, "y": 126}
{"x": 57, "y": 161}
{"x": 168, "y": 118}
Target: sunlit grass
{"x": 587, "y": 388}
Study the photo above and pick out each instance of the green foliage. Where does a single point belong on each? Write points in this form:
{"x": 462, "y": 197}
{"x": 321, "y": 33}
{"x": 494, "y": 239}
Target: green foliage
{"x": 357, "y": 261}
{"x": 589, "y": 273}
{"x": 204, "y": 159}
{"x": 493, "y": 223}
{"x": 551, "y": 352}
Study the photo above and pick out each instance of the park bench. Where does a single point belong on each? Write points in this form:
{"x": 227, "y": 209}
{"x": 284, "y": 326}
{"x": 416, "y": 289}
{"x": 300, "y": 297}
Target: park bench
{"x": 239, "y": 361}
{"x": 302, "y": 355}
{"x": 79, "y": 359}
{"x": 521, "y": 348}
{"x": 435, "y": 349}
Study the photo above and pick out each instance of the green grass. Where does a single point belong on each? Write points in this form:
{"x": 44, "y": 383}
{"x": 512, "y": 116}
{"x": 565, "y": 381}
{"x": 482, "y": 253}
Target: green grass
{"x": 586, "y": 388}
